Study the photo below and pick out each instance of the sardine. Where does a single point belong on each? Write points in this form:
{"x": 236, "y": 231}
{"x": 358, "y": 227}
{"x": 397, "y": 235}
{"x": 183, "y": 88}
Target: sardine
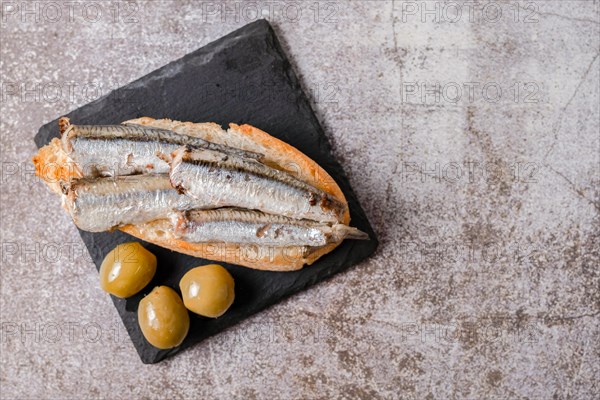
{"x": 254, "y": 227}
{"x": 100, "y": 204}
{"x": 229, "y": 181}
{"x": 111, "y": 150}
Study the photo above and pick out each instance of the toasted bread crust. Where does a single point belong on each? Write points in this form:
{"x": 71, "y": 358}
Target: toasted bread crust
{"x": 53, "y": 165}
{"x": 277, "y": 154}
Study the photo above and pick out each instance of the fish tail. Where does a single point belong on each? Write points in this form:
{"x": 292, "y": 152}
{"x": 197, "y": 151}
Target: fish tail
{"x": 341, "y": 232}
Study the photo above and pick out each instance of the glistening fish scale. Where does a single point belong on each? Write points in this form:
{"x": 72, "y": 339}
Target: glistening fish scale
{"x": 234, "y": 182}
{"x": 142, "y": 133}
{"x": 110, "y": 150}
{"x": 115, "y": 157}
{"x": 255, "y": 227}
{"x": 101, "y": 204}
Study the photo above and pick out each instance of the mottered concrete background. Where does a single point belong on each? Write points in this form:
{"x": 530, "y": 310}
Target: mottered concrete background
{"x": 470, "y": 132}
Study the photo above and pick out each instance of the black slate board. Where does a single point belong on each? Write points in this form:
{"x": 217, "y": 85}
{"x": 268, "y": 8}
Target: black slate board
{"x": 243, "y": 77}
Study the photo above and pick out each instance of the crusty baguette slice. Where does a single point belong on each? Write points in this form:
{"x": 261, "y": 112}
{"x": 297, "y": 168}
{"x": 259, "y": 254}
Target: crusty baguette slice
{"x": 53, "y": 165}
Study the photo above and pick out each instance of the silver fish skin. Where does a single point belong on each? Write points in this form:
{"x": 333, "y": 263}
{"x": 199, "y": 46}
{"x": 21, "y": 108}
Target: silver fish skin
{"x": 255, "y": 227}
{"x": 236, "y": 182}
{"x": 101, "y": 204}
{"x": 111, "y": 150}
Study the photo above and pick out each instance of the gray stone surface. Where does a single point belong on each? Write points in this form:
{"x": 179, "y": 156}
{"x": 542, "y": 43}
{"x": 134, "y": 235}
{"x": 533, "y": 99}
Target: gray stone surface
{"x": 486, "y": 283}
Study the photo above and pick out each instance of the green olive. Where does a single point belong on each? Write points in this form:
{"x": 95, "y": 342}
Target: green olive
{"x": 163, "y": 319}
{"x": 207, "y": 290}
{"x": 127, "y": 269}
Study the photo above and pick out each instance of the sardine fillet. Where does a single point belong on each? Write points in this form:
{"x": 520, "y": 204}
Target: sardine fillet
{"x": 111, "y": 150}
{"x": 101, "y": 204}
{"x": 254, "y": 227}
{"x": 235, "y": 182}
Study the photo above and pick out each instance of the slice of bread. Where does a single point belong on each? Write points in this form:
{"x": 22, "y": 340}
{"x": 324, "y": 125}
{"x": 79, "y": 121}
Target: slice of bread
{"x": 50, "y": 166}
